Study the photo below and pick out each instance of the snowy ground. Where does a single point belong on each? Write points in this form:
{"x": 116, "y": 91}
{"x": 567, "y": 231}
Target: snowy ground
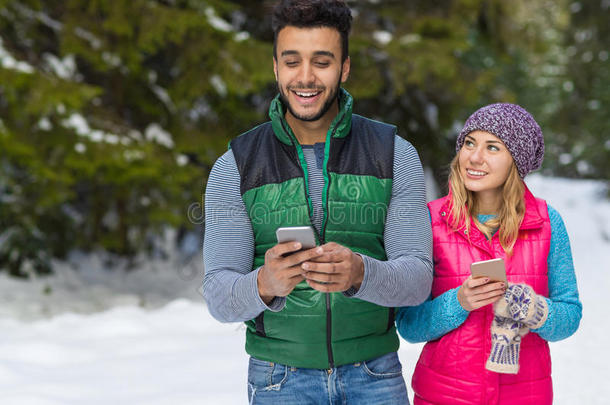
{"x": 71, "y": 339}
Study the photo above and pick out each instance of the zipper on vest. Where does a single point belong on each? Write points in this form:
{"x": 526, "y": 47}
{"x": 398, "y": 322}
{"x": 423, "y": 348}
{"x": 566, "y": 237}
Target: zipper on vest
{"x": 322, "y": 234}
{"x": 331, "y": 360}
{"x": 302, "y": 165}
{"x": 329, "y": 346}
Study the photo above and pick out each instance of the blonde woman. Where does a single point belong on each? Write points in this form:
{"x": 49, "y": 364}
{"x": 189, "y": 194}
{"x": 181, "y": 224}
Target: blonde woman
{"x": 479, "y": 353}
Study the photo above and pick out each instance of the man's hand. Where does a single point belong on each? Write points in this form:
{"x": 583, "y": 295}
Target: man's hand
{"x": 337, "y": 269}
{"x": 280, "y": 274}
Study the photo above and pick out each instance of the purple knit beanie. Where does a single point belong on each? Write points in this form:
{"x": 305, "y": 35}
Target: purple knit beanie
{"x": 515, "y": 127}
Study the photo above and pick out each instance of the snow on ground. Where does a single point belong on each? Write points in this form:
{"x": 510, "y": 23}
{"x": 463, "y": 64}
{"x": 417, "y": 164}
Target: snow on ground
{"x": 130, "y": 348}
{"x": 85, "y": 284}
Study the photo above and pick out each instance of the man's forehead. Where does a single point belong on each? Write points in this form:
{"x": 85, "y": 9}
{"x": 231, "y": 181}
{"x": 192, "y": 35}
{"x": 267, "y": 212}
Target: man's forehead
{"x": 319, "y": 40}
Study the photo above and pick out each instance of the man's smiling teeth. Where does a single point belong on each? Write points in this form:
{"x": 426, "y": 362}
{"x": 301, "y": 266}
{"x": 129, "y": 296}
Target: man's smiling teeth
{"x": 475, "y": 173}
{"x": 302, "y": 94}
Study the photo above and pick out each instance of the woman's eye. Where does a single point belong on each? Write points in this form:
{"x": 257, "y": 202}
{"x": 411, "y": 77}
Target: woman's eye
{"x": 469, "y": 143}
{"x": 493, "y": 148}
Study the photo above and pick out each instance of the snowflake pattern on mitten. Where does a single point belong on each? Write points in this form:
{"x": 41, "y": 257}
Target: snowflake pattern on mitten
{"x": 519, "y": 297}
{"x": 525, "y": 306}
{"x": 506, "y": 337}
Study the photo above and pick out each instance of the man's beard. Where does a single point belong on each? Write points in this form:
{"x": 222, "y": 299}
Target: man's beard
{"x": 325, "y": 107}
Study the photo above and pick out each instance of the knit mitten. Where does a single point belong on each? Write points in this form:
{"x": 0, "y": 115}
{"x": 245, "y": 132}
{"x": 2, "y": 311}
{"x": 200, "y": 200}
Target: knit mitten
{"x": 520, "y": 303}
{"x": 506, "y": 337}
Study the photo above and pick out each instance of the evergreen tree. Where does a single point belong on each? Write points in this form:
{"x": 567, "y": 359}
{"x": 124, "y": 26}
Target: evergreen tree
{"x": 113, "y": 112}
{"x": 581, "y": 124}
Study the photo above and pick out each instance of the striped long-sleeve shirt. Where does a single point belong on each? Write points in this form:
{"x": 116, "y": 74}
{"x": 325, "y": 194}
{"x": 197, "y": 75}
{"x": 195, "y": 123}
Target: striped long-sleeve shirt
{"x": 230, "y": 284}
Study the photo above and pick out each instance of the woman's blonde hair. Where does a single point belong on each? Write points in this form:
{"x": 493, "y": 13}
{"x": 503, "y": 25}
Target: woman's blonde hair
{"x": 463, "y": 207}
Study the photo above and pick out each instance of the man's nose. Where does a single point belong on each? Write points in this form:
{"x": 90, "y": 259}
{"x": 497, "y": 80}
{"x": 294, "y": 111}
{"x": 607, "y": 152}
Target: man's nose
{"x": 306, "y": 74}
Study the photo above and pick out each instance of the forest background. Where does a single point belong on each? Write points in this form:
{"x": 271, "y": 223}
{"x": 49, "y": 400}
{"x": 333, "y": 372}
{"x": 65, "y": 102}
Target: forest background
{"x": 112, "y": 113}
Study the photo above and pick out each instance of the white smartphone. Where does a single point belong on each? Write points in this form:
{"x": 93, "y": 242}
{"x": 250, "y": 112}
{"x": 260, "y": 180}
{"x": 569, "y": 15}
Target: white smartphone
{"x": 494, "y": 269}
{"x": 303, "y": 234}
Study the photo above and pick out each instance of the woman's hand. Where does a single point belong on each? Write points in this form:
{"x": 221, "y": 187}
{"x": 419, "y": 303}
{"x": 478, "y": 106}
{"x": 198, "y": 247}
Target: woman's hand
{"x": 476, "y": 293}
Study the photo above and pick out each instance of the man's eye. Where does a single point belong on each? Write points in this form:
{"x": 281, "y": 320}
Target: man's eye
{"x": 322, "y": 64}
{"x": 291, "y": 63}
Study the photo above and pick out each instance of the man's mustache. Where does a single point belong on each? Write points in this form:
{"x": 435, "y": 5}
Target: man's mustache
{"x": 302, "y": 86}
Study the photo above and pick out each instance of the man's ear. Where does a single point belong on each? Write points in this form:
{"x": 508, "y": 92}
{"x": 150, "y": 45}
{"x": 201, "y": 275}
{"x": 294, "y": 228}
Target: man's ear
{"x": 345, "y": 69}
{"x": 275, "y": 68}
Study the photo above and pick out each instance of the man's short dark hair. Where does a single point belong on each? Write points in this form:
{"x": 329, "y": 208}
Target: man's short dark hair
{"x": 313, "y": 14}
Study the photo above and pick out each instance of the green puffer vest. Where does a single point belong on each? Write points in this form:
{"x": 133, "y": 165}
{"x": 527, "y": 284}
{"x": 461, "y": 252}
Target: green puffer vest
{"x": 314, "y": 329}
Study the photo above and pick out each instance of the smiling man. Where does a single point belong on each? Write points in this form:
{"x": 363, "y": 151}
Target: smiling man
{"x": 309, "y": 67}
{"x": 320, "y": 321}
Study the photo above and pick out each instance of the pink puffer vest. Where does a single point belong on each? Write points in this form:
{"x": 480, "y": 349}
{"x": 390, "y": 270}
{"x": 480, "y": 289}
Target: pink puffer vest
{"x": 451, "y": 370}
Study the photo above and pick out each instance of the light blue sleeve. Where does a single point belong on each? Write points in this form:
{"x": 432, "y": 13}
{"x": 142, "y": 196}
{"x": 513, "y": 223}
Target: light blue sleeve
{"x": 436, "y": 317}
{"x": 432, "y": 319}
{"x": 565, "y": 308}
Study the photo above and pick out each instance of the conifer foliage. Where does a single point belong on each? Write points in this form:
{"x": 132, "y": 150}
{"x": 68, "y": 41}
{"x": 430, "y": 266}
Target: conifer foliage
{"x": 112, "y": 112}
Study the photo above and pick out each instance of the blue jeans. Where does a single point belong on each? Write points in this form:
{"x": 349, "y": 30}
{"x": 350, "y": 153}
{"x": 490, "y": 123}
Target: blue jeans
{"x": 378, "y": 381}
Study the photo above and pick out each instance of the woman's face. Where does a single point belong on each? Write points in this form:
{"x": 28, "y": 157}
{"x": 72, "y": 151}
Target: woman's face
{"x": 485, "y": 163}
